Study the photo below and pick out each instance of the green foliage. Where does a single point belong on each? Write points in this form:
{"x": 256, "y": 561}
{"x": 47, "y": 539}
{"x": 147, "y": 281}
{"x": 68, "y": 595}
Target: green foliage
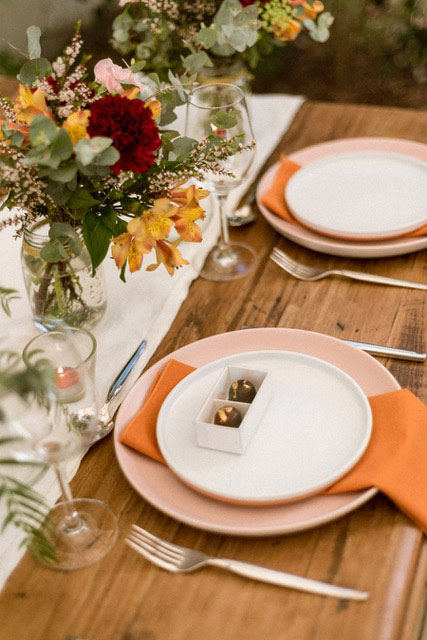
{"x": 33, "y": 37}
{"x": 25, "y": 508}
{"x": 6, "y": 297}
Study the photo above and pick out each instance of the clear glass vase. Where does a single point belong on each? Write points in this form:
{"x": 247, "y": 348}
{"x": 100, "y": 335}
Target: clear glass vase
{"x": 229, "y": 70}
{"x": 64, "y": 291}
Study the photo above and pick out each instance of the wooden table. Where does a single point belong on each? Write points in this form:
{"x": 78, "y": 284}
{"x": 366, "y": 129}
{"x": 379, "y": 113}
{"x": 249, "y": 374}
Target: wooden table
{"x": 376, "y": 548}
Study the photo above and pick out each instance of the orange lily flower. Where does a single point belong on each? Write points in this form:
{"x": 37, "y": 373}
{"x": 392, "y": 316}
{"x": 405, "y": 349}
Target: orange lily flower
{"x": 76, "y": 124}
{"x": 29, "y": 105}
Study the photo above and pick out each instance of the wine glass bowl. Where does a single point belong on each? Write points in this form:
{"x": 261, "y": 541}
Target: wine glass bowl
{"x": 219, "y": 109}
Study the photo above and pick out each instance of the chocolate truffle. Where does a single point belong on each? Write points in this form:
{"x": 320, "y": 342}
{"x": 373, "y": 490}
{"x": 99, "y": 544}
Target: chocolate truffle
{"x": 242, "y": 391}
{"x": 228, "y": 417}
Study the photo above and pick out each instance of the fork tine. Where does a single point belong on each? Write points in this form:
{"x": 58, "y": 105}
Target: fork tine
{"x": 155, "y": 548}
{"x": 288, "y": 260}
{"x": 154, "y": 539}
{"x": 150, "y": 557}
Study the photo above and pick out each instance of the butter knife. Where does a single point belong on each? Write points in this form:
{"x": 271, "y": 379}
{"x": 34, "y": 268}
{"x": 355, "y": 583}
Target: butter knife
{"x": 122, "y": 376}
{"x": 390, "y": 352}
{"x": 378, "y": 350}
{"x": 114, "y": 396}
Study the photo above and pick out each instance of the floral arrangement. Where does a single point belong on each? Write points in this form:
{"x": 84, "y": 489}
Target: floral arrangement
{"x": 182, "y": 35}
{"x": 88, "y": 156}
{"x": 96, "y": 163}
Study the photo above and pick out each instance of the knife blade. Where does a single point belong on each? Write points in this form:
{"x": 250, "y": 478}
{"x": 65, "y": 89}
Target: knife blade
{"x": 122, "y": 376}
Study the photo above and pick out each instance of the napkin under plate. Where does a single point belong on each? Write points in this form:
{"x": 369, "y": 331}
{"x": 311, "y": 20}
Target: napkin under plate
{"x": 394, "y": 462}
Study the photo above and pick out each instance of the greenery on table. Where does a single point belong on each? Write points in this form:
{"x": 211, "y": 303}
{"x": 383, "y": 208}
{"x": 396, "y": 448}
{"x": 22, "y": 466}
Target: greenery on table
{"x": 25, "y": 507}
{"x": 181, "y": 36}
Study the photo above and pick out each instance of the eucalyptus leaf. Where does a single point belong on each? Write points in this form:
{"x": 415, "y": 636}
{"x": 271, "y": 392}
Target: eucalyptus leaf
{"x": 63, "y": 174}
{"x": 107, "y": 158}
{"x": 238, "y": 40}
{"x": 196, "y": 61}
{"x": 33, "y": 69}
{"x": 206, "y": 37}
{"x": 59, "y": 192}
{"x": 53, "y": 251}
{"x": 42, "y": 131}
{"x": 33, "y": 37}
{"x": 64, "y": 233}
{"x": 62, "y": 145}
{"x": 225, "y": 119}
{"x": 182, "y": 146}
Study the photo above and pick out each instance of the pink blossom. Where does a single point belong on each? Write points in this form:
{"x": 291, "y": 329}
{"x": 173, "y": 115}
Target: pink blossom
{"x": 123, "y": 2}
{"x": 110, "y": 74}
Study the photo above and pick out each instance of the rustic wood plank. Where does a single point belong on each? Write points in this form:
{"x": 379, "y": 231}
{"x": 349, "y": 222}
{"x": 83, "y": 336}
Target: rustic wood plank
{"x": 375, "y": 548}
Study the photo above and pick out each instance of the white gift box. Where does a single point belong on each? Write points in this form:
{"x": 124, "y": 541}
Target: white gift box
{"x": 233, "y": 439}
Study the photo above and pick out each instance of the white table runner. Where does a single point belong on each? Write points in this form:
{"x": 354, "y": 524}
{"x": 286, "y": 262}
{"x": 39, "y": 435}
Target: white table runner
{"x": 143, "y": 307}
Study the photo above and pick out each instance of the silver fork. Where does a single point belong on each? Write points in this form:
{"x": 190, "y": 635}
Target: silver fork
{"x": 304, "y": 272}
{"x": 172, "y": 557}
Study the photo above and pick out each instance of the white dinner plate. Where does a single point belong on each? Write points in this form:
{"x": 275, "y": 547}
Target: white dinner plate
{"x": 364, "y": 195}
{"x": 337, "y": 246}
{"x": 314, "y": 429}
{"x": 157, "y": 484}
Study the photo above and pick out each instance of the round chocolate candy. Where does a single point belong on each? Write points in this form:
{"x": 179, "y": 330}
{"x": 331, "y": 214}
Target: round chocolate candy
{"x": 228, "y": 417}
{"x": 242, "y": 391}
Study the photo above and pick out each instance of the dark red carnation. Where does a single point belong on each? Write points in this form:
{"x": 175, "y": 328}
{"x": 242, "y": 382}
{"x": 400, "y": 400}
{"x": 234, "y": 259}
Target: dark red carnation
{"x": 246, "y": 3}
{"x": 131, "y": 126}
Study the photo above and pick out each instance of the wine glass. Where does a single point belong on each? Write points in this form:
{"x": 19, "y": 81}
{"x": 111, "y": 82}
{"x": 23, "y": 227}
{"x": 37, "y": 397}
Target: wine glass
{"x": 208, "y": 106}
{"x": 81, "y": 531}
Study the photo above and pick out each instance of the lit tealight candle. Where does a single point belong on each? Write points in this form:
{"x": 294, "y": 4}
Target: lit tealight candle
{"x": 68, "y": 384}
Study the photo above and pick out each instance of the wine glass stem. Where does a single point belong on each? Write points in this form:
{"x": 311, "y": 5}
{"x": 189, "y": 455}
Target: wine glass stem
{"x": 72, "y": 518}
{"x": 224, "y": 239}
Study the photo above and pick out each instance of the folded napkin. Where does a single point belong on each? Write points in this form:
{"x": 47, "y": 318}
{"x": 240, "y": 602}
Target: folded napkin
{"x": 395, "y": 460}
{"x": 274, "y": 198}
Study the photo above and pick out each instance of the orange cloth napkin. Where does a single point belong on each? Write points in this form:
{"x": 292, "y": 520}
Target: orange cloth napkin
{"x": 395, "y": 460}
{"x": 274, "y": 198}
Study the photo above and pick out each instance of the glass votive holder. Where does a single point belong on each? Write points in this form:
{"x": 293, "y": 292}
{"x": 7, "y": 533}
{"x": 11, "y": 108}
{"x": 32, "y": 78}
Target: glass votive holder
{"x": 71, "y": 351}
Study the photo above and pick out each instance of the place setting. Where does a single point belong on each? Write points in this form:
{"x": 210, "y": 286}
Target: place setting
{"x": 287, "y": 478}
{"x": 355, "y": 197}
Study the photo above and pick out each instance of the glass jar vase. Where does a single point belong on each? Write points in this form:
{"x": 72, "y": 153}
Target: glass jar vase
{"x": 227, "y": 69}
{"x": 64, "y": 291}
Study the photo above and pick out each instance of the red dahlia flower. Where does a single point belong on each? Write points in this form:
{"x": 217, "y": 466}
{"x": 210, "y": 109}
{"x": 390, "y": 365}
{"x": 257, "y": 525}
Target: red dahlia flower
{"x": 131, "y": 126}
{"x": 246, "y": 3}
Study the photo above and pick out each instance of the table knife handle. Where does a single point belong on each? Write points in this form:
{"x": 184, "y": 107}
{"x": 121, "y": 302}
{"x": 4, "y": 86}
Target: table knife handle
{"x": 279, "y": 578}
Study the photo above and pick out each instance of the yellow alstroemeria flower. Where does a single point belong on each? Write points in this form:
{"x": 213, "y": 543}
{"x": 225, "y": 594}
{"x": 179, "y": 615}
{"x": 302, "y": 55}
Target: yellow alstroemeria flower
{"x": 30, "y": 104}
{"x": 143, "y": 234}
{"x": 76, "y": 124}
{"x": 288, "y": 31}
{"x": 154, "y": 105}
{"x": 156, "y": 108}
{"x": 189, "y": 212}
{"x": 168, "y": 254}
